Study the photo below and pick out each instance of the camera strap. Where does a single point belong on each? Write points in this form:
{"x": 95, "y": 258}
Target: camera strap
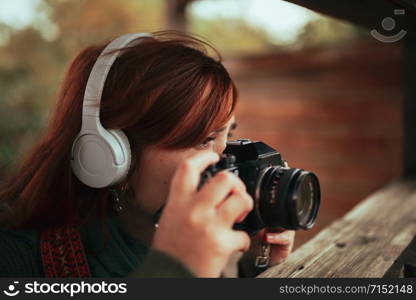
{"x": 62, "y": 252}
{"x": 261, "y": 263}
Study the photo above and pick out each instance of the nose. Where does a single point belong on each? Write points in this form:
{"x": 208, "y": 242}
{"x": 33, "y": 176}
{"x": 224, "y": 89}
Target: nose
{"x": 221, "y": 146}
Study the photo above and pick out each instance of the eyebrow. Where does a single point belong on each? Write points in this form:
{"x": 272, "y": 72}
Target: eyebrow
{"x": 233, "y": 126}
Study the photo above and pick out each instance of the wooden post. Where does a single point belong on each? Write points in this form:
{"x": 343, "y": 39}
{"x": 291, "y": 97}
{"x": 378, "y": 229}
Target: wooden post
{"x": 176, "y": 14}
{"x": 409, "y": 107}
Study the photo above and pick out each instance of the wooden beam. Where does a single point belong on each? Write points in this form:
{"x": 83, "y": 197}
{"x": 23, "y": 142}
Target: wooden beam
{"x": 364, "y": 243}
{"x": 367, "y": 13}
{"x": 409, "y": 108}
{"x": 407, "y": 4}
{"x": 176, "y": 14}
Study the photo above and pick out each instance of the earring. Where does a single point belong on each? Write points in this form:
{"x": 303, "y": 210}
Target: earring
{"x": 117, "y": 206}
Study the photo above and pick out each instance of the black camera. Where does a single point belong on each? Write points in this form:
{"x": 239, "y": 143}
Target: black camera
{"x": 283, "y": 197}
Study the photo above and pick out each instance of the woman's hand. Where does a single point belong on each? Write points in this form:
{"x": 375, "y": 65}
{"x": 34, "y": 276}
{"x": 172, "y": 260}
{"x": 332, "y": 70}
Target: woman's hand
{"x": 281, "y": 244}
{"x": 196, "y": 226}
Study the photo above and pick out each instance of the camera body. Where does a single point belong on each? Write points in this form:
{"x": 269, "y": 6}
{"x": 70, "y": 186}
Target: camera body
{"x": 283, "y": 197}
{"x": 273, "y": 186}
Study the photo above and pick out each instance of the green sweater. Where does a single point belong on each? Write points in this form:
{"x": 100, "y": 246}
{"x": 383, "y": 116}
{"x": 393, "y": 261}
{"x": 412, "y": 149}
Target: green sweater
{"x": 124, "y": 256}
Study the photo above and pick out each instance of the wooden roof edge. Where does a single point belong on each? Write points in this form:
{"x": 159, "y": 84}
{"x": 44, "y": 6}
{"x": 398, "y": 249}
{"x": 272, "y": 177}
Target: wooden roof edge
{"x": 366, "y": 13}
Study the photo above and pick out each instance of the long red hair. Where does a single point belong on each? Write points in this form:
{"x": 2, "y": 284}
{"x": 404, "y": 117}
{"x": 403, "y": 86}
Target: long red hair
{"x": 154, "y": 92}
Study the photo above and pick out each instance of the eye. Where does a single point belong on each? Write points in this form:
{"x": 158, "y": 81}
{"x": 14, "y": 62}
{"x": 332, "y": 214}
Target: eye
{"x": 206, "y": 142}
{"x": 230, "y": 135}
{"x": 208, "y": 139}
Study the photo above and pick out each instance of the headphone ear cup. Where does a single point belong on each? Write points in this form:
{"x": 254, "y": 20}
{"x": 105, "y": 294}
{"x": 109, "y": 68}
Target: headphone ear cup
{"x": 124, "y": 143}
{"x": 101, "y": 160}
{"x": 101, "y": 157}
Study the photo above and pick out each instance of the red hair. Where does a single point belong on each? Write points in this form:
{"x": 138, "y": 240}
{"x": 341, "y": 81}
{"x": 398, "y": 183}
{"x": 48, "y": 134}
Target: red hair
{"x": 165, "y": 91}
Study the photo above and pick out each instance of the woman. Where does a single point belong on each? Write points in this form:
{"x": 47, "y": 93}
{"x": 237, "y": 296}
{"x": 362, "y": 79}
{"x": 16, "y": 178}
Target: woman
{"x": 176, "y": 106}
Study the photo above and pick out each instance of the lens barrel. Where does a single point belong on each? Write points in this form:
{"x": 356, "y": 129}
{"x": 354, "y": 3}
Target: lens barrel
{"x": 288, "y": 198}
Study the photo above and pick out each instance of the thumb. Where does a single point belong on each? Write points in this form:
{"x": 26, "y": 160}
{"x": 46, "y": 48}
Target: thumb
{"x": 241, "y": 240}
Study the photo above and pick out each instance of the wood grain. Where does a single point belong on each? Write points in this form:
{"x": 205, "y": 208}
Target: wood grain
{"x": 364, "y": 243}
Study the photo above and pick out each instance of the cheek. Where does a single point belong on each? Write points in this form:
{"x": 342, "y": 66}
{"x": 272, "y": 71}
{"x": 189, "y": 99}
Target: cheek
{"x": 155, "y": 174}
{"x": 168, "y": 163}
{"x": 166, "y": 168}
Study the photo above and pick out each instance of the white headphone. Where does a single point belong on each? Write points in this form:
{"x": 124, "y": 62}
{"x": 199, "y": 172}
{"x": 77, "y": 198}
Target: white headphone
{"x": 100, "y": 157}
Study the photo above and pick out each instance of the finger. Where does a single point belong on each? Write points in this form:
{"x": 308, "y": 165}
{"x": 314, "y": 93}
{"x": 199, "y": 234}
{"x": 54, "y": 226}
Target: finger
{"x": 278, "y": 255}
{"x": 283, "y": 238}
{"x": 235, "y": 208}
{"x": 186, "y": 177}
{"x": 219, "y": 187}
{"x": 239, "y": 240}
{"x": 276, "y": 229}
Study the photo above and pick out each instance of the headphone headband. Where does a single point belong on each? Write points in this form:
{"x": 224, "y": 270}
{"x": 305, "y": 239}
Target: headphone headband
{"x": 98, "y": 76}
{"x": 101, "y": 157}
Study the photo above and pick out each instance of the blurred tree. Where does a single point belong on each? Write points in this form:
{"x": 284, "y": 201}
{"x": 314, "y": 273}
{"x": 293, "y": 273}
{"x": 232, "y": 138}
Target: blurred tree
{"x": 326, "y": 31}
{"x": 34, "y": 59}
{"x": 232, "y": 36}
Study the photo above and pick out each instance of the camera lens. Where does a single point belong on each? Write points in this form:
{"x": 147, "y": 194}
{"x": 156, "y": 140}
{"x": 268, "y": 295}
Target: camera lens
{"x": 306, "y": 200}
{"x": 287, "y": 198}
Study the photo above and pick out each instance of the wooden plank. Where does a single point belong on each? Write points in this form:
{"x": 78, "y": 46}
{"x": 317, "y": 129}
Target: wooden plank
{"x": 405, "y": 265}
{"x": 364, "y": 243}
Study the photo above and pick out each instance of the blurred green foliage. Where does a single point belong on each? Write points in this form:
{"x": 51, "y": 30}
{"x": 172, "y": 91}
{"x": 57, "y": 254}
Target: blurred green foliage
{"x": 34, "y": 59}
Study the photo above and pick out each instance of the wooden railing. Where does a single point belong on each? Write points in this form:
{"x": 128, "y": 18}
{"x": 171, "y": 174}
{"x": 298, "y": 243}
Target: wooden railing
{"x": 366, "y": 242}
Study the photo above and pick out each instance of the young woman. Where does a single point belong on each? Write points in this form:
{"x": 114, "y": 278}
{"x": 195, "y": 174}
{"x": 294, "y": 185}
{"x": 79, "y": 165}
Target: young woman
{"x": 176, "y": 106}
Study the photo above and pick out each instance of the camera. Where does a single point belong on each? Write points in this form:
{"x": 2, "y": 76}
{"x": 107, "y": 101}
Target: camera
{"x": 283, "y": 197}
